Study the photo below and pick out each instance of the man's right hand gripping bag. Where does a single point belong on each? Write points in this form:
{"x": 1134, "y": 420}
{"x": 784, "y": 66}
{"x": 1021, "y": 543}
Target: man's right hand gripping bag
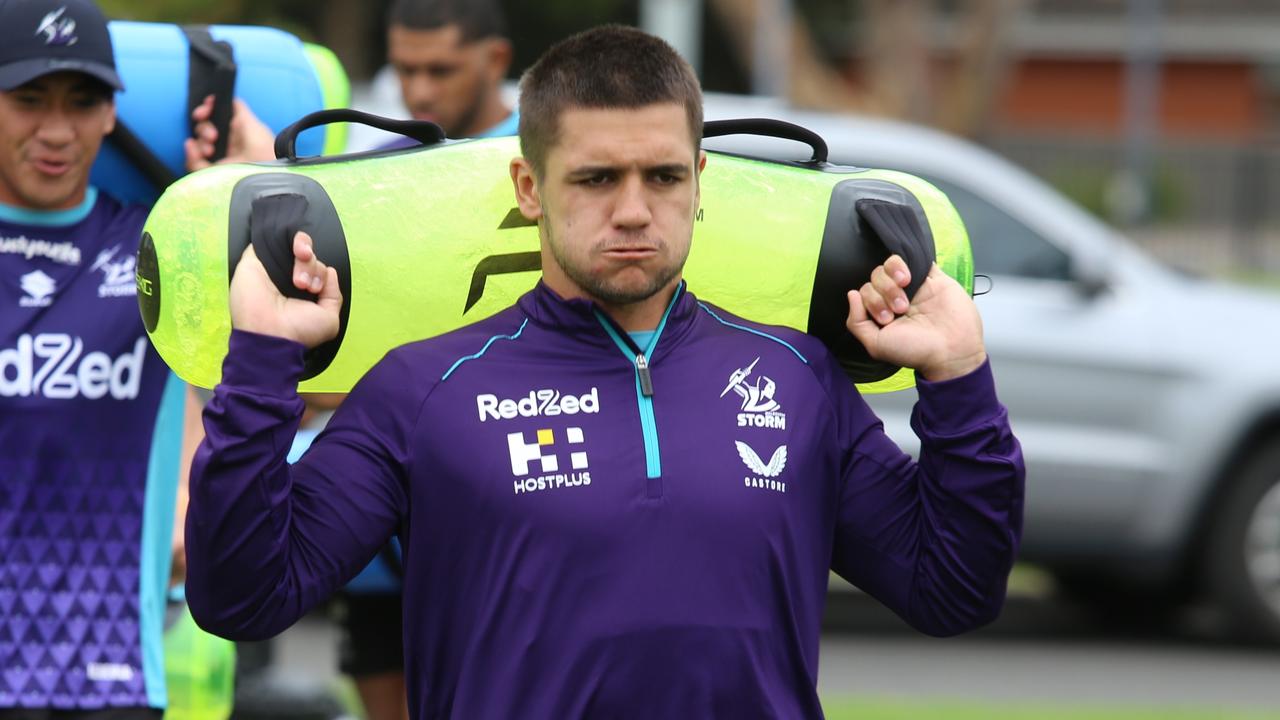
{"x": 429, "y": 239}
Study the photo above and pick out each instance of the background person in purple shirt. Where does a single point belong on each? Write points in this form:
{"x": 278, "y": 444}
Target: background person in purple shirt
{"x": 590, "y": 528}
{"x": 91, "y": 420}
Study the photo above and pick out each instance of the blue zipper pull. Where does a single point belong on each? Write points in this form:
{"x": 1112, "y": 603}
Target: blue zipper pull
{"x": 642, "y": 369}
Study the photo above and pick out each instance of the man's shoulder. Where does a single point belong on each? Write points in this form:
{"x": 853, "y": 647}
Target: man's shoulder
{"x": 742, "y": 330}
{"x": 410, "y": 373}
{"x": 113, "y": 216}
{"x": 436, "y": 356}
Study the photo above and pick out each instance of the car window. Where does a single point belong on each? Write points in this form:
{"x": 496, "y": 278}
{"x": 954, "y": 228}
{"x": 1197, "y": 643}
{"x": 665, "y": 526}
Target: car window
{"x": 1002, "y": 245}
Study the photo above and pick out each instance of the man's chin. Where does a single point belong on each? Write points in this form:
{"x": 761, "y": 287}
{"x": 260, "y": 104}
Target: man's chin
{"x": 628, "y": 293}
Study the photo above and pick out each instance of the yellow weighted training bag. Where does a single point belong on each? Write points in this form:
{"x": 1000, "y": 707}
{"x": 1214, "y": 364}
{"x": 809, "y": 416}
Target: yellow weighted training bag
{"x": 427, "y": 240}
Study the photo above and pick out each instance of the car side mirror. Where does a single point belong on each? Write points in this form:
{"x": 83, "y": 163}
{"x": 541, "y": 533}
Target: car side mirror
{"x": 1090, "y": 275}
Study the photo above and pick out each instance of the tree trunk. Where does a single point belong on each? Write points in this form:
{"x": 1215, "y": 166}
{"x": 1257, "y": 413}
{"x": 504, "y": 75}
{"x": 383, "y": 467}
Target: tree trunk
{"x": 897, "y": 60}
{"x": 981, "y": 67}
{"x": 811, "y": 82}
{"x": 345, "y": 28}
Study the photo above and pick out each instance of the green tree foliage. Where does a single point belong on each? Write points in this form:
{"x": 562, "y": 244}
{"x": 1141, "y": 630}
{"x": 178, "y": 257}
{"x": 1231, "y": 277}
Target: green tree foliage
{"x": 292, "y": 15}
{"x": 534, "y": 26}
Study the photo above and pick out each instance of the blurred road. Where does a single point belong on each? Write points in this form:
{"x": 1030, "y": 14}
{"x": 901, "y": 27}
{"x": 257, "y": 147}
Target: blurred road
{"x": 1044, "y": 651}
{"x": 1049, "y": 672}
{"x": 1040, "y": 651}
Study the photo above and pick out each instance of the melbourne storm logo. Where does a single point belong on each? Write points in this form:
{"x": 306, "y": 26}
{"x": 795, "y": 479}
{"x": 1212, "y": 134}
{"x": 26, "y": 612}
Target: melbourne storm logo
{"x": 118, "y": 277}
{"x": 758, "y": 408}
{"x": 58, "y": 30}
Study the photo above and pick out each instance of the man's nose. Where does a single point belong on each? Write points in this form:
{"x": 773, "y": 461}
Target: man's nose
{"x": 55, "y": 128}
{"x": 421, "y": 90}
{"x": 632, "y": 206}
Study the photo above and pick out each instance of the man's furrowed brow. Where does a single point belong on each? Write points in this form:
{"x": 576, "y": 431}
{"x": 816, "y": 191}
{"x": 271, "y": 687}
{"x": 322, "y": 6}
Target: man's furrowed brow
{"x": 669, "y": 169}
{"x": 604, "y": 169}
{"x": 589, "y": 170}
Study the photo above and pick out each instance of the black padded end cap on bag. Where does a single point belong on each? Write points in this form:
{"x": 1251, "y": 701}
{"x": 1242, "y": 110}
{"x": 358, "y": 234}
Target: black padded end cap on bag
{"x": 266, "y": 211}
{"x": 867, "y": 221}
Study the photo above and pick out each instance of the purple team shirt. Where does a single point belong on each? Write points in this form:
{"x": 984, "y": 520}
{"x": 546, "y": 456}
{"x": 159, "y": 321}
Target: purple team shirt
{"x": 79, "y": 390}
{"x": 577, "y": 547}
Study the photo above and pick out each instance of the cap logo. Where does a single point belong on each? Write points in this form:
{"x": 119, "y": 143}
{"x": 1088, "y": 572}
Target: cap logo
{"x": 58, "y": 31}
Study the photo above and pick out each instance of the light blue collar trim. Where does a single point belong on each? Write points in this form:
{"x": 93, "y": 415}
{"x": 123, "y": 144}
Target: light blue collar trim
{"x": 753, "y": 331}
{"x": 650, "y": 335}
{"x": 643, "y": 337}
{"x": 662, "y": 324}
{"x": 485, "y": 349}
{"x": 510, "y": 126}
{"x": 50, "y": 218}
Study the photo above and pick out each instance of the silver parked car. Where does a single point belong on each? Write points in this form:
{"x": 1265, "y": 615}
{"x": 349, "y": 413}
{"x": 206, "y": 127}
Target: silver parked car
{"x": 1147, "y": 401}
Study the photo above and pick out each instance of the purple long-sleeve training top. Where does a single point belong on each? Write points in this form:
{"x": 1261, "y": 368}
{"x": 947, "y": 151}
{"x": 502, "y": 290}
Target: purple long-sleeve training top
{"x": 597, "y": 529}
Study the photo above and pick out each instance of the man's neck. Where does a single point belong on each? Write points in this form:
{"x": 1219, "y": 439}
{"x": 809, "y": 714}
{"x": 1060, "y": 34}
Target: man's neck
{"x": 493, "y": 113}
{"x": 644, "y": 315}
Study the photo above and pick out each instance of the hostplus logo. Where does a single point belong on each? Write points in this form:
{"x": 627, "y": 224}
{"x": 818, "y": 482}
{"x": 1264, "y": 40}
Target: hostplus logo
{"x": 758, "y": 408}
{"x": 39, "y": 289}
{"x": 118, "y": 277}
{"x": 764, "y": 475}
{"x": 541, "y": 457}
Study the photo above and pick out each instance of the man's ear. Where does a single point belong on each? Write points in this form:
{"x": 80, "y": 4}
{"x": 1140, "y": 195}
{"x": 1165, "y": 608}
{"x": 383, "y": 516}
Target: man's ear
{"x": 697, "y": 179}
{"x": 500, "y": 55}
{"x": 525, "y": 181}
{"x": 110, "y": 124}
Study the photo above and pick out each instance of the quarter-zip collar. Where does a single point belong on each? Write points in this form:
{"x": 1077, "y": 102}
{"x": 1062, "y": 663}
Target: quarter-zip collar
{"x": 577, "y": 317}
{"x": 586, "y": 322}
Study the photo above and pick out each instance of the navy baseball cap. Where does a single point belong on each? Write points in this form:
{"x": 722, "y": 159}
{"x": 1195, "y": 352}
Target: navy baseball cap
{"x": 39, "y": 37}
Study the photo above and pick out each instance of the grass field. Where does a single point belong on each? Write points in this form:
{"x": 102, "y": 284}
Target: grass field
{"x": 894, "y": 709}
{"x": 851, "y": 708}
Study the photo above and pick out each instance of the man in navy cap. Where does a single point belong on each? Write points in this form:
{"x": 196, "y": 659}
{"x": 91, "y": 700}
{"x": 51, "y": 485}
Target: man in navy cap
{"x": 58, "y": 75}
{"x": 87, "y": 407}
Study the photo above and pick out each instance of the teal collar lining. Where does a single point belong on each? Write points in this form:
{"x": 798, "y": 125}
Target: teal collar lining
{"x": 50, "y": 218}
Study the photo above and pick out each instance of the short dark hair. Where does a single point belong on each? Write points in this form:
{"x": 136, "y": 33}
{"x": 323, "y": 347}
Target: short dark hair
{"x": 608, "y": 67}
{"x": 478, "y": 19}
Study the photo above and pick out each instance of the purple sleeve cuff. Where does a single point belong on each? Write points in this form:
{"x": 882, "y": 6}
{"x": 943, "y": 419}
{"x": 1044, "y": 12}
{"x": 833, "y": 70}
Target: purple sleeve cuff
{"x": 949, "y": 406}
{"x": 263, "y": 364}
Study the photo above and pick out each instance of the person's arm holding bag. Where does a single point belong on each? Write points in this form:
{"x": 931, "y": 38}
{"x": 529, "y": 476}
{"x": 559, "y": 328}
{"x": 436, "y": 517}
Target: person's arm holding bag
{"x": 265, "y": 542}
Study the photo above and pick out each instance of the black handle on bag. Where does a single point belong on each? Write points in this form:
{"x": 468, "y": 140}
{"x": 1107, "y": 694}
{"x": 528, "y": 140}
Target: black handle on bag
{"x": 768, "y": 127}
{"x": 212, "y": 72}
{"x": 896, "y": 227}
{"x": 427, "y": 133}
